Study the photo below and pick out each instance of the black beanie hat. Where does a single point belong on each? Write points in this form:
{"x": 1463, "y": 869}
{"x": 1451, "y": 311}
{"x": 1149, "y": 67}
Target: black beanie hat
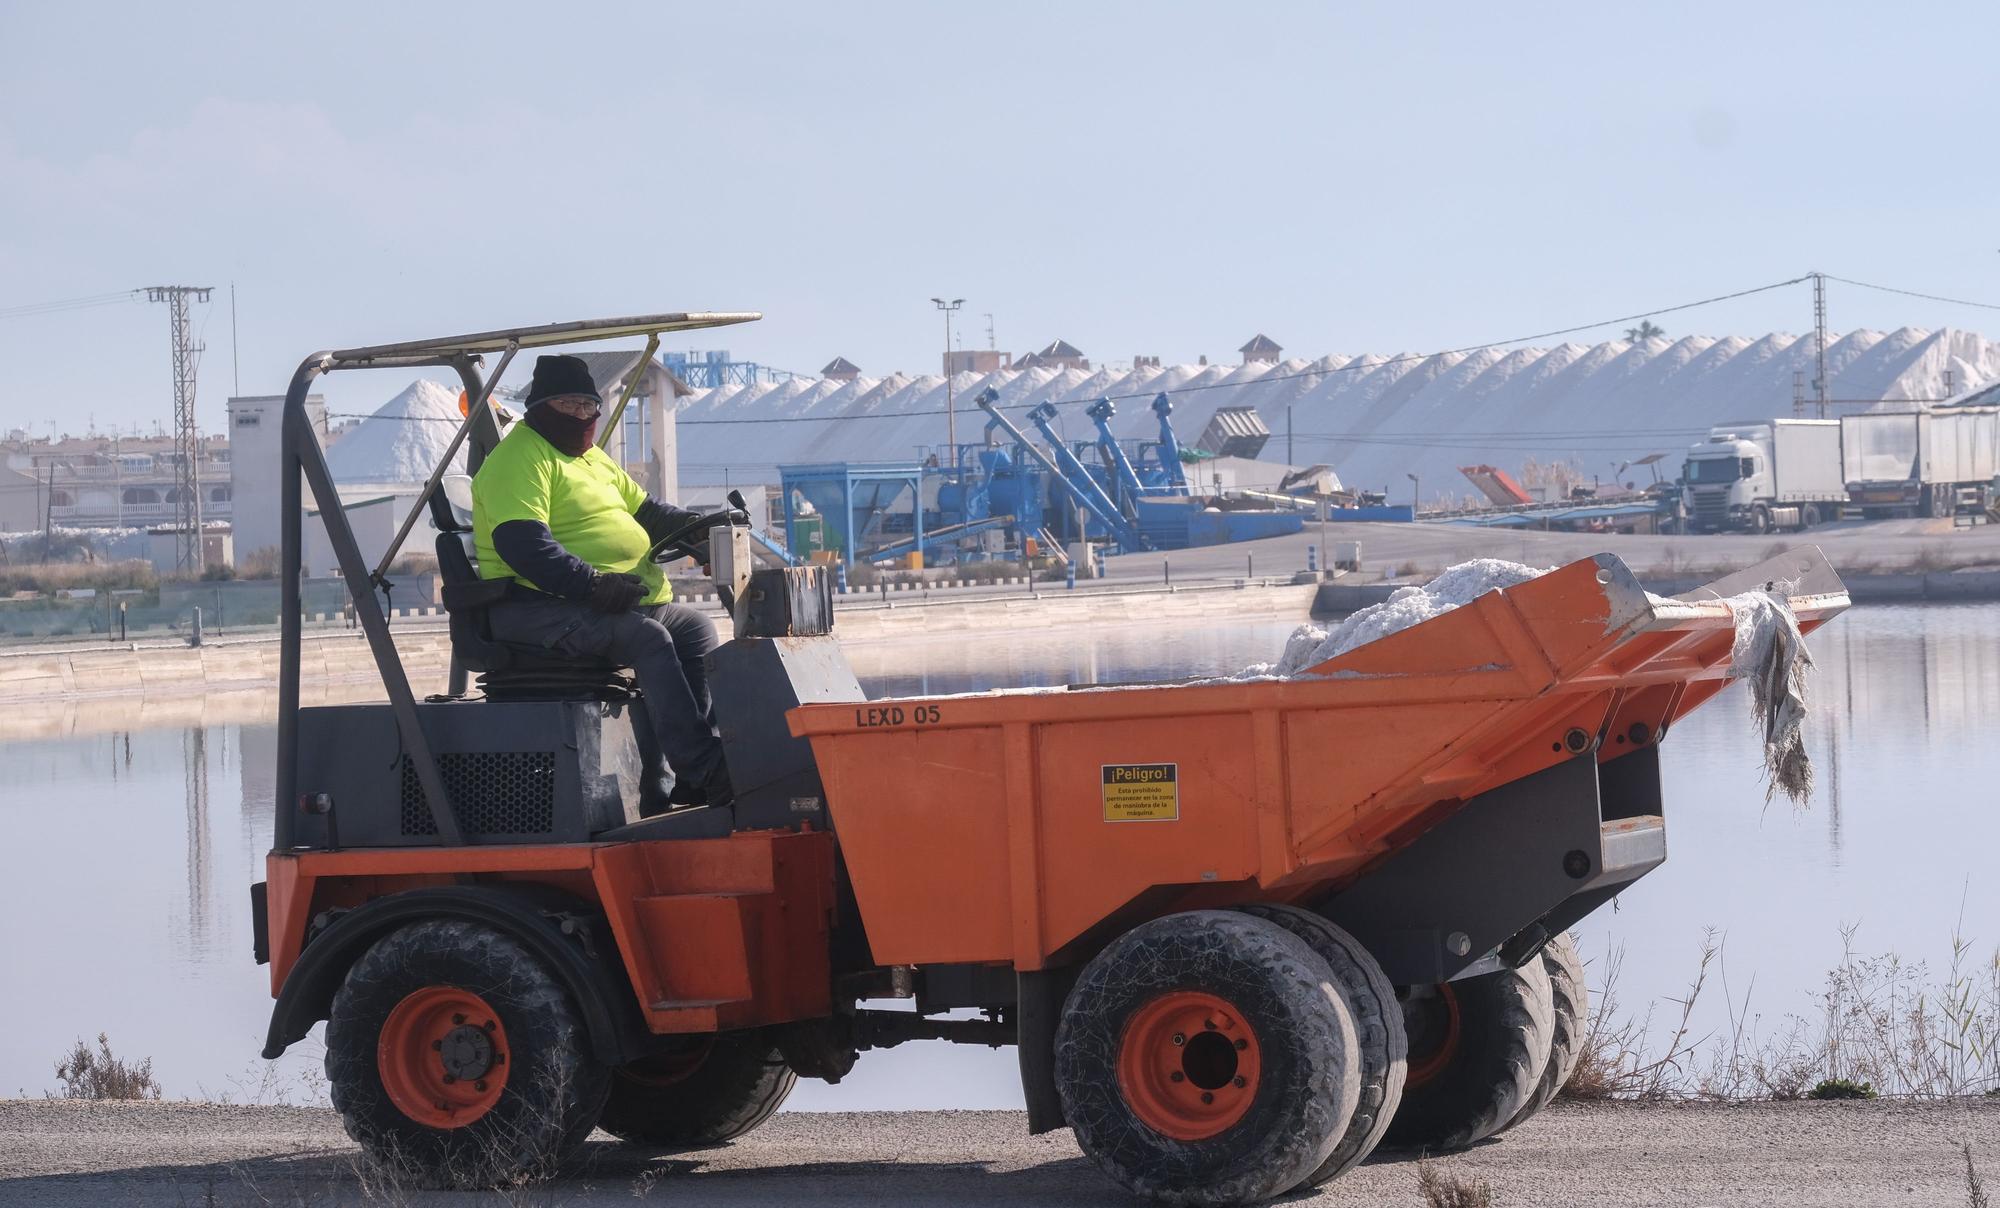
{"x": 558, "y": 376}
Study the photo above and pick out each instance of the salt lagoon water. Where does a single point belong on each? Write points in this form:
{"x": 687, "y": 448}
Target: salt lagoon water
{"x": 129, "y": 852}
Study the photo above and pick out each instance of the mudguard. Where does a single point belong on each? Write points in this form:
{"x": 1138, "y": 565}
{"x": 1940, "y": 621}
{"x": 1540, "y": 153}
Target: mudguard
{"x": 603, "y": 997}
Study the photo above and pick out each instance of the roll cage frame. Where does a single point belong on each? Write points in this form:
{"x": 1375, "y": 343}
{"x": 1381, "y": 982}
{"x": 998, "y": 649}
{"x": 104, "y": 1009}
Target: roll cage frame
{"x": 305, "y": 466}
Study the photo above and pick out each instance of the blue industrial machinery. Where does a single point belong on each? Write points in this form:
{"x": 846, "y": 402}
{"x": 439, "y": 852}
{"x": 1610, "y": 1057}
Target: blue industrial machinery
{"x": 1113, "y": 455}
{"x": 996, "y": 497}
{"x": 706, "y": 370}
{"x": 1082, "y": 487}
{"x": 777, "y": 551}
{"x": 861, "y": 505}
{"x": 1169, "y": 448}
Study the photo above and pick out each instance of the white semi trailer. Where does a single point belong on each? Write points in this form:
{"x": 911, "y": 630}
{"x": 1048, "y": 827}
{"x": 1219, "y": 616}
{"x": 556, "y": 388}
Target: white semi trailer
{"x": 1921, "y": 463}
{"x": 1759, "y": 476}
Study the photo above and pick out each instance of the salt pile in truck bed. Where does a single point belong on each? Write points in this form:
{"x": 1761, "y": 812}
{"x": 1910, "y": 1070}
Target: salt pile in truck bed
{"x": 990, "y": 843}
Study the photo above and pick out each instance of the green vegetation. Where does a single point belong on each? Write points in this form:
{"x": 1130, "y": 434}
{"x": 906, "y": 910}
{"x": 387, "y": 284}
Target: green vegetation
{"x": 1841, "y": 1088}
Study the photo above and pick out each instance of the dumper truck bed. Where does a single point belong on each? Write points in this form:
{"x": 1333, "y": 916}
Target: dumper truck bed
{"x": 1016, "y": 824}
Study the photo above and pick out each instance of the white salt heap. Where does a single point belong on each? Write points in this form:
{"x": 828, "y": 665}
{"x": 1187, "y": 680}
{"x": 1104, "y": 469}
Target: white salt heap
{"x": 402, "y": 440}
{"x": 1311, "y": 645}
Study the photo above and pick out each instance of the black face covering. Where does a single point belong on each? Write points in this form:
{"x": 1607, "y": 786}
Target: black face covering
{"x": 571, "y": 436}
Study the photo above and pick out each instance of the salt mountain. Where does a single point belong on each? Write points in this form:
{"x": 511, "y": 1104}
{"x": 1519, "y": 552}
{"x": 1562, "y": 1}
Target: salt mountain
{"x": 1374, "y": 418}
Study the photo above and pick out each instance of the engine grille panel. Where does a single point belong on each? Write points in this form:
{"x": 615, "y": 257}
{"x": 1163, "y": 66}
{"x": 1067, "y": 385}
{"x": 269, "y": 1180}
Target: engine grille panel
{"x": 495, "y": 793}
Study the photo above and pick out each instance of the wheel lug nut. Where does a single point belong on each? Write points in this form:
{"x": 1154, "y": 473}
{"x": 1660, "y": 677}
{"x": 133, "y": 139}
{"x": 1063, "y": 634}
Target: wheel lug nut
{"x": 1241, "y": 1044}
{"x": 1206, "y": 1097}
{"x": 481, "y": 1084}
{"x": 1209, "y": 1024}
{"x": 1239, "y": 1082}
{"x": 1177, "y": 1076}
{"x": 1179, "y": 1039}
{"x": 448, "y": 1080}
{"x": 458, "y": 1019}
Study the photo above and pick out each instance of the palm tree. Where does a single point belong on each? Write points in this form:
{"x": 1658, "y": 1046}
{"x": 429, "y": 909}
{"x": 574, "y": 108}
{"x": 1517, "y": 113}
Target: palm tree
{"x": 1646, "y": 330}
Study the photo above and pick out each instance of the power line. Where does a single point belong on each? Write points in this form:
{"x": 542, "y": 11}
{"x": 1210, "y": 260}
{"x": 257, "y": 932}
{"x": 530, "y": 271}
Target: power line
{"x": 1911, "y": 293}
{"x": 59, "y": 305}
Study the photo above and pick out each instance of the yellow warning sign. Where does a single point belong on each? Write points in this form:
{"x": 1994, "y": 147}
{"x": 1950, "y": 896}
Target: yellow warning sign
{"x": 1141, "y": 792}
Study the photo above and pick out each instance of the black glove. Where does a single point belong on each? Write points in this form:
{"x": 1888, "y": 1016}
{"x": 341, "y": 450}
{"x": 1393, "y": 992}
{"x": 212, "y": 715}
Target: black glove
{"x": 615, "y": 593}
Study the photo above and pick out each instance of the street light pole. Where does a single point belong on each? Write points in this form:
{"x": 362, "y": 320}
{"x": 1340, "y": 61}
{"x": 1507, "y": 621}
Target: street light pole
{"x": 950, "y": 412}
{"x": 1416, "y": 495}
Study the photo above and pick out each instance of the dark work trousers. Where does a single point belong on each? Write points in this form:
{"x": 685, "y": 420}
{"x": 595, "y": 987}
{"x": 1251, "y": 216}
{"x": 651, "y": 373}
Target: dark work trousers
{"x": 664, "y": 645}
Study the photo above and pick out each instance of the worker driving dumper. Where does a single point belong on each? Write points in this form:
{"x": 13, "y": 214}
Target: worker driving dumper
{"x": 561, "y": 519}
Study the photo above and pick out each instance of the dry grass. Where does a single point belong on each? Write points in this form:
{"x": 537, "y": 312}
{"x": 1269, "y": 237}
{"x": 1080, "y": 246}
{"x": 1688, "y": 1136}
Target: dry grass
{"x": 88, "y": 1073}
{"x": 257, "y": 563}
{"x": 1975, "y": 1190}
{"x": 1443, "y": 1190}
{"x": 1558, "y": 474}
{"x": 414, "y": 562}
{"x": 47, "y": 577}
{"x": 1879, "y": 1022}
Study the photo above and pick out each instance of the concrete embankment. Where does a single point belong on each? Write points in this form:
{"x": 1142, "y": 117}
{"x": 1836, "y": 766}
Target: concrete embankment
{"x": 1903, "y": 587}
{"x": 336, "y": 663}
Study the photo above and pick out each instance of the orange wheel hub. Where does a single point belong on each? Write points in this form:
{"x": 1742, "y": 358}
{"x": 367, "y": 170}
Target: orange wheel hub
{"x": 443, "y": 1057}
{"x": 1188, "y": 1065}
{"x": 1434, "y": 1034}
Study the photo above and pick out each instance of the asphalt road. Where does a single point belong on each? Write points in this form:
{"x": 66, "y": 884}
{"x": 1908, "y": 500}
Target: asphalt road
{"x": 60, "y": 1154}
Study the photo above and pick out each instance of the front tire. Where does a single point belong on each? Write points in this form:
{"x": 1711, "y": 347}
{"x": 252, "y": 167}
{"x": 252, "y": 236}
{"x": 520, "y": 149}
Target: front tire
{"x": 457, "y": 1060}
{"x": 714, "y": 1090}
{"x": 1478, "y": 1047}
{"x": 1207, "y": 1058}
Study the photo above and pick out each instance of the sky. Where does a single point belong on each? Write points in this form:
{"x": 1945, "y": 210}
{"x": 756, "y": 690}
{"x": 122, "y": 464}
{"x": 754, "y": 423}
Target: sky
{"x": 1160, "y": 179}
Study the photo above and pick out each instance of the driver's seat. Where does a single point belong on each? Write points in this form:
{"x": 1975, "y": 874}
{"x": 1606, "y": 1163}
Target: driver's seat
{"x": 508, "y": 671}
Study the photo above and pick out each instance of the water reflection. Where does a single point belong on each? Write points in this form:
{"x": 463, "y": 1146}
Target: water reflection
{"x": 1897, "y": 836}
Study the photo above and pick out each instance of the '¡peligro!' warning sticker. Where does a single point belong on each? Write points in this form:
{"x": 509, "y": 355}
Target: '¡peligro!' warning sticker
{"x": 1142, "y": 792}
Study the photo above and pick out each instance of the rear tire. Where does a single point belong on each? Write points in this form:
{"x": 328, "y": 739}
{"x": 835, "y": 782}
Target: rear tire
{"x": 1809, "y": 517}
{"x": 721, "y": 1087}
{"x": 1383, "y": 1047}
{"x": 1570, "y": 1020}
{"x": 457, "y": 1060}
{"x": 1478, "y": 1047}
{"x": 1207, "y": 1058}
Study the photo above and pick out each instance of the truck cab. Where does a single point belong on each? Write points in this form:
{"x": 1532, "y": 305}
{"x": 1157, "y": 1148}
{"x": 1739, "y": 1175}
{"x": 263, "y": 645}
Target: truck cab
{"x": 1728, "y": 485}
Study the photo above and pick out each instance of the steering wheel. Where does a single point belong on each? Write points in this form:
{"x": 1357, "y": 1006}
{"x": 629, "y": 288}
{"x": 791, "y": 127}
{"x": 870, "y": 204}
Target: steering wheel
{"x": 687, "y": 540}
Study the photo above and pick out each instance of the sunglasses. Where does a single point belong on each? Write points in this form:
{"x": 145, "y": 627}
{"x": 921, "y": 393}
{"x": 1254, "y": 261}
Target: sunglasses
{"x": 576, "y": 407}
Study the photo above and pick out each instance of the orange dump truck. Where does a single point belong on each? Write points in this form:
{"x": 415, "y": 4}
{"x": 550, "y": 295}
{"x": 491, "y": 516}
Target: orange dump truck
{"x": 1241, "y": 933}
